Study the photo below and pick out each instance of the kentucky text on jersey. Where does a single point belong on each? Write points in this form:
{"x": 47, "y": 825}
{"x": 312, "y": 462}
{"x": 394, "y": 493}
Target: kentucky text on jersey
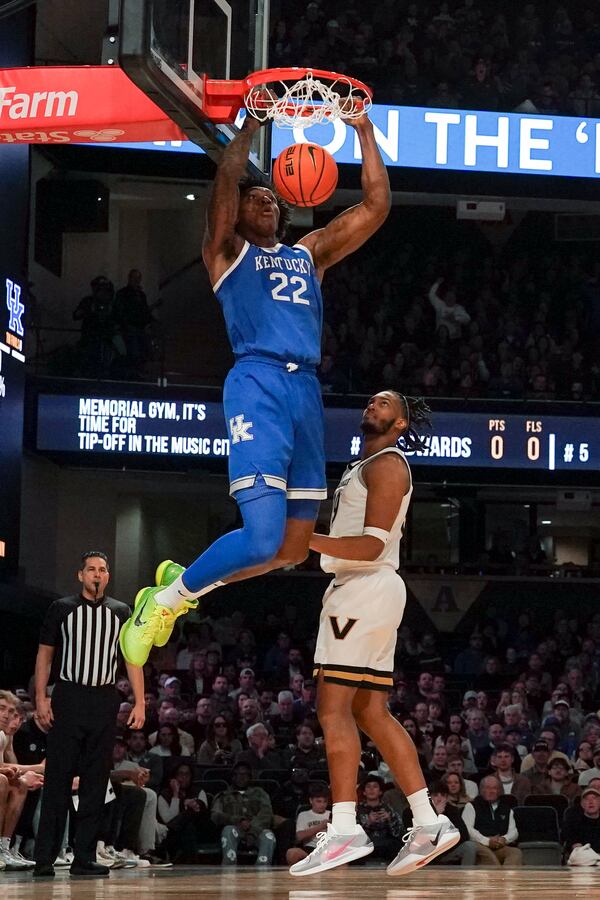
{"x": 272, "y": 303}
{"x": 282, "y": 262}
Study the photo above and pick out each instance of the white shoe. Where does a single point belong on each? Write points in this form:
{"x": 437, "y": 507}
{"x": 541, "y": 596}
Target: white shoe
{"x": 153, "y": 861}
{"x": 133, "y": 859}
{"x": 18, "y": 856}
{"x": 11, "y": 863}
{"x": 61, "y": 862}
{"x": 333, "y": 850}
{"x": 422, "y": 843}
{"x": 127, "y": 858}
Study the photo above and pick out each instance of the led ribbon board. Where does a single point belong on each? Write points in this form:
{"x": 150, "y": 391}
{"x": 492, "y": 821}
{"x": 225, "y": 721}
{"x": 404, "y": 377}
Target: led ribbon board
{"x": 177, "y": 428}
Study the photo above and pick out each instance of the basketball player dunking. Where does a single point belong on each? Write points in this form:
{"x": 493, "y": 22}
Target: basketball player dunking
{"x": 271, "y": 299}
{"x": 362, "y": 610}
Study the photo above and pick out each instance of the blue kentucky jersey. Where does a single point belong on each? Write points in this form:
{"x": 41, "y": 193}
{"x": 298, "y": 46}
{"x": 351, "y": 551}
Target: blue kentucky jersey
{"x": 272, "y": 303}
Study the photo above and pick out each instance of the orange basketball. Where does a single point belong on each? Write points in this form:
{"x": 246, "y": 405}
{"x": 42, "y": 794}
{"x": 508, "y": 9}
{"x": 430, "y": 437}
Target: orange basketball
{"x": 305, "y": 174}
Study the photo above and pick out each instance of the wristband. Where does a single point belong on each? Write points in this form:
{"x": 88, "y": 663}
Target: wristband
{"x": 380, "y": 533}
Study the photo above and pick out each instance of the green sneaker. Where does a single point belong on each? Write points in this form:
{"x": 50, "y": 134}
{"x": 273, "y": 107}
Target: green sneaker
{"x": 148, "y": 622}
{"x": 166, "y": 629}
{"x": 167, "y": 572}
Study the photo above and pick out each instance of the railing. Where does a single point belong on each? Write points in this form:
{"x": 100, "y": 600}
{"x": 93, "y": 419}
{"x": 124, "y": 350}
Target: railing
{"x": 65, "y": 353}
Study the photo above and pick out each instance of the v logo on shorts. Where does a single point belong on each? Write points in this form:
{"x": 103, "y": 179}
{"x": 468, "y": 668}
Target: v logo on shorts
{"x": 341, "y": 633}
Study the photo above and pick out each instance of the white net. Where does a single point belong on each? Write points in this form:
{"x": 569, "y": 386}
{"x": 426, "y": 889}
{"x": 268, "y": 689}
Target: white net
{"x": 306, "y": 102}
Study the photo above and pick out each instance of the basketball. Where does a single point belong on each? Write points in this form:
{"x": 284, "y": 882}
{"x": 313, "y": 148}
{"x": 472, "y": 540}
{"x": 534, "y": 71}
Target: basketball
{"x": 305, "y": 174}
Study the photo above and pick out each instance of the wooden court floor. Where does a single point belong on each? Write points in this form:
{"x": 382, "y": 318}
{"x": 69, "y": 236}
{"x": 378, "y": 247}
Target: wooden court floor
{"x": 450, "y": 883}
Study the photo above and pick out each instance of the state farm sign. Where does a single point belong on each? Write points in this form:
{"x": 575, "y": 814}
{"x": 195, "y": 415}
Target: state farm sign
{"x": 39, "y": 104}
{"x": 78, "y": 104}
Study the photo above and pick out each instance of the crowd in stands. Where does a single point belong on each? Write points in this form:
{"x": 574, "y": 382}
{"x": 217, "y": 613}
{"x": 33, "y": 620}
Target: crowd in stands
{"x": 449, "y": 316}
{"x": 231, "y": 765}
{"x": 468, "y": 54}
{"x": 116, "y": 330}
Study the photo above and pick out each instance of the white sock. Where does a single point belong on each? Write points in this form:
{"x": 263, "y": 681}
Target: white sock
{"x": 174, "y": 595}
{"x": 343, "y": 817}
{"x": 422, "y": 808}
{"x": 4, "y": 843}
{"x": 17, "y": 842}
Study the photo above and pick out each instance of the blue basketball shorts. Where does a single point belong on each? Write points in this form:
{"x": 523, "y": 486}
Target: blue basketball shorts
{"x": 274, "y": 419}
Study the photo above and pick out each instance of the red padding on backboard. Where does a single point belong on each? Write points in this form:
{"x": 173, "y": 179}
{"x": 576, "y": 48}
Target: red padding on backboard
{"x": 78, "y": 104}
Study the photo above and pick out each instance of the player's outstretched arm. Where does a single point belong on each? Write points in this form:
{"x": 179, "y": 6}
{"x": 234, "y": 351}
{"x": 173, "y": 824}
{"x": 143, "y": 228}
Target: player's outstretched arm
{"x": 349, "y": 231}
{"x": 387, "y": 482}
{"x": 220, "y": 243}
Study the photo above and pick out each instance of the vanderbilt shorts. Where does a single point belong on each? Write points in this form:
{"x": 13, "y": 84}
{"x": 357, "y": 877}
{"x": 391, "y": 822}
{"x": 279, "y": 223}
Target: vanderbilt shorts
{"x": 357, "y": 630}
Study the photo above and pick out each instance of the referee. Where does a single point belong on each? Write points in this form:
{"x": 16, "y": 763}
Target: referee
{"x": 79, "y": 641}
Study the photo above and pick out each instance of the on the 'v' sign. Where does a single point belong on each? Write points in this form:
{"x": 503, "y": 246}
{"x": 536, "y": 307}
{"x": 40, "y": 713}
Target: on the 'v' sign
{"x": 341, "y": 633}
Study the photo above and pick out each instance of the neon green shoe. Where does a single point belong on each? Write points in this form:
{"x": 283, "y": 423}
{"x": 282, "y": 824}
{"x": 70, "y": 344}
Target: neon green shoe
{"x": 166, "y": 628}
{"x": 167, "y": 571}
{"x": 148, "y": 621}
{"x": 151, "y": 624}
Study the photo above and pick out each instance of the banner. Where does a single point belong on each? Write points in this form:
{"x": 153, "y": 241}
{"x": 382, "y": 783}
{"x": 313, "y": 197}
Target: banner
{"x": 465, "y": 140}
{"x": 419, "y": 137}
{"x": 78, "y": 104}
{"x": 446, "y": 602}
{"x": 99, "y": 104}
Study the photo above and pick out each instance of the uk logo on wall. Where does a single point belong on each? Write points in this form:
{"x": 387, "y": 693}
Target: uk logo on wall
{"x": 16, "y": 329}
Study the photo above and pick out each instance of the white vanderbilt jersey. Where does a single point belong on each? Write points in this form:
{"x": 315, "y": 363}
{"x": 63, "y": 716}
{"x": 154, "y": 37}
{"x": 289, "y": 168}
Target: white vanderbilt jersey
{"x": 348, "y": 518}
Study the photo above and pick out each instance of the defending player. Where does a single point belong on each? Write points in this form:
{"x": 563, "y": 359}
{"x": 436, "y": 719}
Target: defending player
{"x": 362, "y": 610}
{"x": 271, "y": 300}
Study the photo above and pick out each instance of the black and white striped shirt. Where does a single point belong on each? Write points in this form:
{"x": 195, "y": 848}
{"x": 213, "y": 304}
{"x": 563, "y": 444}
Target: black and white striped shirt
{"x": 86, "y": 637}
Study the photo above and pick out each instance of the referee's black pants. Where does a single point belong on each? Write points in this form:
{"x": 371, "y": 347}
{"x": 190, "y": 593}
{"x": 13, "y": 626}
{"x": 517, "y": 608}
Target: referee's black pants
{"x": 81, "y": 743}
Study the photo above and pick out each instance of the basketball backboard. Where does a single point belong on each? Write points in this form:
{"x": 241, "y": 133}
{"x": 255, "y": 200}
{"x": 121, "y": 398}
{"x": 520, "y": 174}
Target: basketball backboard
{"x": 168, "y": 46}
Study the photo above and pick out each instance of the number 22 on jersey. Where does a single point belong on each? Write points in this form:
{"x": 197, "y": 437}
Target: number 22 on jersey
{"x": 285, "y": 286}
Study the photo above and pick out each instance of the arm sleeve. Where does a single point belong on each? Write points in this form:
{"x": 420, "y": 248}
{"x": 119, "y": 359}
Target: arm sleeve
{"x": 512, "y": 835}
{"x": 469, "y": 820}
{"x": 168, "y": 811}
{"x": 50, "y": 630}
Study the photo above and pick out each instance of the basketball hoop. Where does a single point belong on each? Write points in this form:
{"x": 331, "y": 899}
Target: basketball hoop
{"x": 291, "y": 98}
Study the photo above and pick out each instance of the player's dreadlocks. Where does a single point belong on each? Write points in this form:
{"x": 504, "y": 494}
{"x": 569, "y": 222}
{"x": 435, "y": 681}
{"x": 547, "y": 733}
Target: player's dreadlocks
{"x": 285, "y": 212}
{"x": 418, "y": 415}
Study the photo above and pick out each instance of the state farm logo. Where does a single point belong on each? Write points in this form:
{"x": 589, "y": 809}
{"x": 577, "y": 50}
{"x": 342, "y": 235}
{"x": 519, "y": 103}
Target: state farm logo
{"x": 108, "y": 134}
{"x": 38, "y": 104}
{"x": 60, "y": 137}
